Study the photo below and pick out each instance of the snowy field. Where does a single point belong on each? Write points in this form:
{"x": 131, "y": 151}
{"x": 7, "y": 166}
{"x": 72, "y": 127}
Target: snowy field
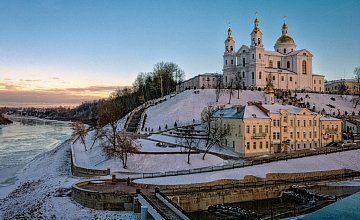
{"x": 342, "y": 103}
{"x": 341, "y": 160}
{"x": 40, "y": 188}
{"x": 187, "y": 105}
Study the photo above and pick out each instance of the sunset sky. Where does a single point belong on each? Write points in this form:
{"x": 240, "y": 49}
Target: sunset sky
{"x": 66, "y": 52}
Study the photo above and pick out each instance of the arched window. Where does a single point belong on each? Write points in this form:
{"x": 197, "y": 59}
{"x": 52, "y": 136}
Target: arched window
{"x": 284, "y": 50}
{"x": 243, "y": 61}
{"x": 232, "y": 62}
{"x": 288, "y": 64}
{"x": 278, "y": 64}
{"x": 303, "y": 67}
{"x": 225, "y": 62}
{"x": 270, "y": 63}
{"x": 231, "y": 48}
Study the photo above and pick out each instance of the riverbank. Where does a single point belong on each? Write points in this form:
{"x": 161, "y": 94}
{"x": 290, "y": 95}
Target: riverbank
{"x": 43, "y": 188}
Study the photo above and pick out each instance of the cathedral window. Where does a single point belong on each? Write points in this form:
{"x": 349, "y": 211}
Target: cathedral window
{"x": 243, "y": 51}
{"x": 259, "y": 55}
{"x": 282, "y": 78}
{"x": 243, "y": 61}
{"x": 270, "y": 63}
{"x": 290, "y": 78}
{"x": 320, "y": 82}
{"x": 231, "y": 48}
{"x": 225, "y": 62}
{"x": 288, "y": 64}
{"x": 253, "y": 56}
{"x": 278, "y": 64}
{"x": 314, "y": 81}
{"x": 284, "y": 50}
{"x": 232, "y": 62}
{"x": 259, "y": 41}
{"x": 273, "y": 77}
{"x": 253, "y": 75}
{"x": 227, "y": 49}
{"x": 259, "y": 75}
{"x": 303, "y": 67}
{"x": 243, "y": 74}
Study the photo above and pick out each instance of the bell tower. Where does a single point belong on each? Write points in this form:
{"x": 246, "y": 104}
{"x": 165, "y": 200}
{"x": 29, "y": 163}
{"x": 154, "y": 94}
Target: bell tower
{"x": 256, "y": 34}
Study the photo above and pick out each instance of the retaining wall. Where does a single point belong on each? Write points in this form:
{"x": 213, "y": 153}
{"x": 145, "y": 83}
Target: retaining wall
{"x": 100, "y": 200}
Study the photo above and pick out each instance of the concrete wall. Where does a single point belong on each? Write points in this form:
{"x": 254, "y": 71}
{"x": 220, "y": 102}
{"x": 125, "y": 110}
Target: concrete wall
{"x": 201, "y": 201}
{"x": 85, "y": 172}
{"x": 102, "y": 201}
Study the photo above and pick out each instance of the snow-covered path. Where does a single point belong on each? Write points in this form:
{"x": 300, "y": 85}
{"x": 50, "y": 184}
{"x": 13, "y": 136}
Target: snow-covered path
{"x": 42, "y": 188}
{"x": 341, "y": 160}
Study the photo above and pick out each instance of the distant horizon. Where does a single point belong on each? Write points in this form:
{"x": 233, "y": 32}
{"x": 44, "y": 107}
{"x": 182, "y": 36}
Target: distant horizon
{"x": 64, "y": 52}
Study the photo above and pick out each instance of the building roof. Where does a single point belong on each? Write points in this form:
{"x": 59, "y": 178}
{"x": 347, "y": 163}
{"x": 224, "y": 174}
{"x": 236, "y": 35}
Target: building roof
{"x": 285, "y": 39}
{"x": 328, "y": 118}
{"x": 275, "y": 108}
{"x": 244, "y": 112}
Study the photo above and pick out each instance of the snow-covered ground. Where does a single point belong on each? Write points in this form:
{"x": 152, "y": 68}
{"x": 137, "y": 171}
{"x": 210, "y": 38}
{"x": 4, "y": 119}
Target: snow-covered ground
{"x": 142, "y": 163}
{"x": 342, "y": 103}
{"x": 187, "y": 106}
{"x": 40, "y": 189}
{"x": 341, "y": 160}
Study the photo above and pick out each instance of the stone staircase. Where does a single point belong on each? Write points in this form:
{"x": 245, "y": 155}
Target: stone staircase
{"x": 134, "y": 122}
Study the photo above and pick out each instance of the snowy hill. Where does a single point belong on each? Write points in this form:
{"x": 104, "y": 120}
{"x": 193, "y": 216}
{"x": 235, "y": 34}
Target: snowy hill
{"x": 187, "y": 106}
{"x": 341, "y": 103}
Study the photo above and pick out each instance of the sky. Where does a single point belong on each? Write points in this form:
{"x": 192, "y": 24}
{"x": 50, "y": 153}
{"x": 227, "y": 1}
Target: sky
{"x": 65, "y": 52}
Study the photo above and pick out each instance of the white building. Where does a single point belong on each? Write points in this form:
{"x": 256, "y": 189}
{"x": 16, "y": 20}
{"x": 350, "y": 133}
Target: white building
{"x": 201, "y": 81}
{"x": 286, "y": 67}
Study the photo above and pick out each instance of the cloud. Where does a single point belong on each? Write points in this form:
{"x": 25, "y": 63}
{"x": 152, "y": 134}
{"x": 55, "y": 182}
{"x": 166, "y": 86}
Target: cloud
{"x": 12, "y": 96}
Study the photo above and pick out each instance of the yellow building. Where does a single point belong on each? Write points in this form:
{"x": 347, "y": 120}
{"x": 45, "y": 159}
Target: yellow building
{"x": 258, "y": 129}
{"x": 334, "y": 87}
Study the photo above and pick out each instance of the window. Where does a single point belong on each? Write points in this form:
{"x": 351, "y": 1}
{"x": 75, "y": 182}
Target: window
{"x": 320, "y": 83}
{"x": 232, "y": 61}
{"x": 304, "y": 146}
{"x": 233, "y": 144}
{"x": 253, "y": 56}
{"x": 260, "y": 129}
{"x": 252, "y": 75}
{"x": 239, "y": 129}
{"x": 243, "y": 75}
{"x": 291, "y": 135}
{"x": 290, "y": 78}
{"x": 298, "y": 122}
{"x": 270, "y": 64}
{"x": 304, "y": 123}
{"x": 243, "y": 61}
{"x": 298, "y": 146}
{"x": 310, "y": 135}
{"x": 310, "y": 123}
{"x": 254, "y": 145}
{"x": 303, "y": 67}
{"x": 314, "y": 81}
{"x": 267, "y": 144}
{"x": 288, "y": 64}
{"x": 297, "y": 134}
{"x": 261, "y": 145}
{"x": 248, "y": 145}
{"x": 278, "y": 123}
{"x": 225, "y": 62}
{"x": 266, "y": 129}
{"x": 274, "y": 135}
{"x": 259, "y": 55}
{"x": 254, "y": 129}
{"x": 285, "y": 129}
{"x": 278, "y": 135}
{"x": 314, "y": 123}
{"x": 291, "y": 123}
{"x": 274, "y": 78}
{"x": 231, "y": 48}
{"x": 282, "y": 78}
{"x": 259, "y": 75}
{"x": 284, "y": 50}
{"x": 285, "y": 119}
{"x": 278, "y": 64}
{"x": 248, "y": 129}
{"x": 304, "y": 135}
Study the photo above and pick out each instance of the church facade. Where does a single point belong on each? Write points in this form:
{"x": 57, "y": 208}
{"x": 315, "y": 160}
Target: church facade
{"x": 286, "y": 67}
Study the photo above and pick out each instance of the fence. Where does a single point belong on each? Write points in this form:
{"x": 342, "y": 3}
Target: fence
{"x": 242, "y": 185}
{"x": 249, "y": 163}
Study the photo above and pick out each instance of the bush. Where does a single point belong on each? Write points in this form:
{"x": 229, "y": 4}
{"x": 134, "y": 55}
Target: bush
{"x": 166, "y": 127}
{"x": 332, "y": 98}
{"x": 175, "y": 124}
{"x": 159, "y": 128}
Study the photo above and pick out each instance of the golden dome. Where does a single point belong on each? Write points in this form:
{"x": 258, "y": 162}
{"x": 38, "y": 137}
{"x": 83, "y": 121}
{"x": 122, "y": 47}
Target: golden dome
{"x": 285, "y": 39}
{"x": 269, "y": 88}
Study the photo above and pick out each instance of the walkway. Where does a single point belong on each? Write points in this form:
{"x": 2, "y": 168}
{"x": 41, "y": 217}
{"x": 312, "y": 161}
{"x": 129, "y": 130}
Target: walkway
{"x": 134, "y": 122}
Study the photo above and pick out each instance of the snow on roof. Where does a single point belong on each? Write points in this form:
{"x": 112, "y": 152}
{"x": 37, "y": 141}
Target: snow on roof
{"x": 328, "y": 118}
{"x": 278, "y": 70}
{"x": 273, "y": 53}
{"x": 248, "y": 111}
{"x": 275, "y": 108}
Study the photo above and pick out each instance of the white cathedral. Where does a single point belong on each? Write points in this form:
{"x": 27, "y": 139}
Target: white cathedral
{"x": 286, "y": 67}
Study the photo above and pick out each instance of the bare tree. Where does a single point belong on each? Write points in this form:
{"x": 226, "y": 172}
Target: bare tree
{"x": 215, "y": 131}
{"x": 343, "y": 89}
{"x": 357, "y": 78}
{"x": 218, "y": 87}
{"x": 231, "y": 90}
{"x": 79, "y": 132}
{"x": 238, "y": 84}
{"x": 188, "y": 140}
{"x": 125, "y": 146}
{"x": 107, "y": 120}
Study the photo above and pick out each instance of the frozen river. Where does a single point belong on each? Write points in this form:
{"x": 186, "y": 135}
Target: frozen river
{"x": 23, "y": 140}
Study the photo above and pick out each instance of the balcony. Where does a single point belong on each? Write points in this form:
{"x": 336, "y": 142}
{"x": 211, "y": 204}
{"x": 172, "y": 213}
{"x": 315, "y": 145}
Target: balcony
{"x": 258, "y": 136}
{"x": 331, "y": 131}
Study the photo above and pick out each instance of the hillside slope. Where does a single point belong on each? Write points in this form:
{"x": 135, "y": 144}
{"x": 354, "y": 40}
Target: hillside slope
{"x": 187, "y": 106}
